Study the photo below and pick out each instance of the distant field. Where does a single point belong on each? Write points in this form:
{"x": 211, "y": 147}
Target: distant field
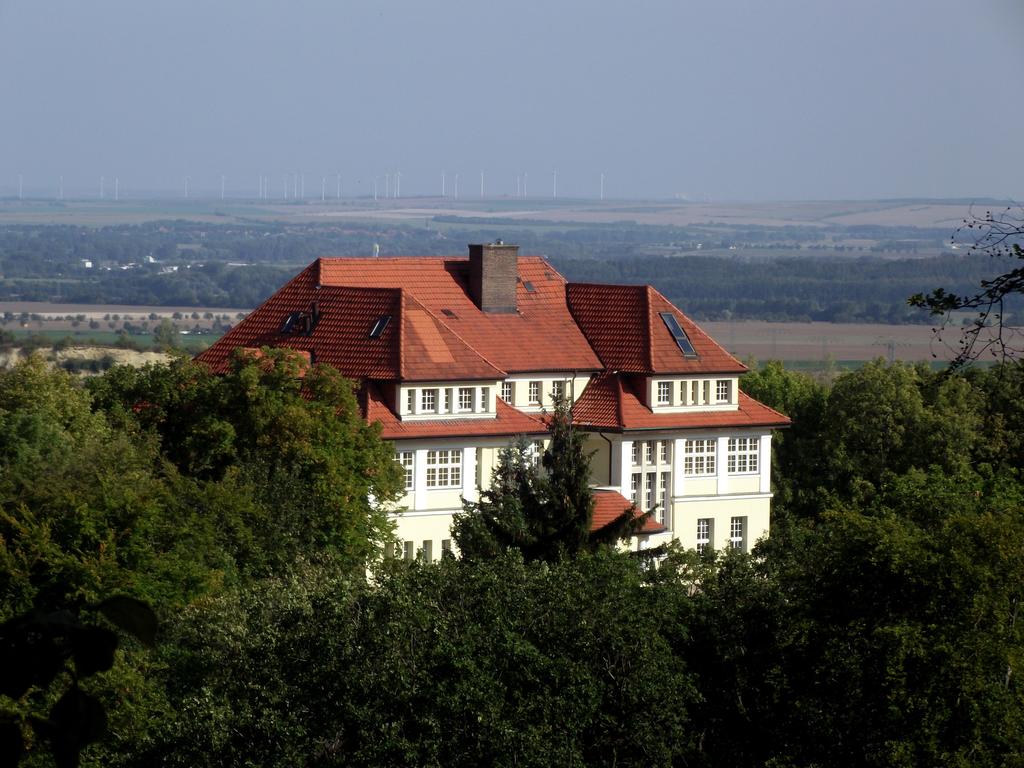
{"x": 927, "y": 213}
{"x": 839, "y": 342}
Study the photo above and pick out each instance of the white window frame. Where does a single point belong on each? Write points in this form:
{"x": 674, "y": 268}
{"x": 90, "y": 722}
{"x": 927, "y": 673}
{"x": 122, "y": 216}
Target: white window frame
{"x": 407, "y": 459}
{"x": 743, "y": 455}
{"x": 737, "y": 533}
{"x": 723, "y": 391}
{"x": 665, "y": 455}
{"x": 664, "y": 393}
{"x": 650, "y": 489}
{"x": 699, "y": 457}
{"x": 664, "y": 491}
{"x": 410, "y": 400}
{"x": 508, "y": 392}
{"x": 533, "y": 392}
{"x": 465, "y": 399}
{"x": 557, "y": 390}
{"x": 649, "y": 451}
{"x": 485, "y": 398}
{"x": 444, "y": 468}
{"x": 635, "y": 487}
{"x": 428, "y": 400}
{"x": 704, "y": 530}
{"x": 636, "y": 453}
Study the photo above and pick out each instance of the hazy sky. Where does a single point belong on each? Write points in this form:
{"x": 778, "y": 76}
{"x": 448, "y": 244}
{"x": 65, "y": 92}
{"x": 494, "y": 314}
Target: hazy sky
{"x": 760, "y": 99}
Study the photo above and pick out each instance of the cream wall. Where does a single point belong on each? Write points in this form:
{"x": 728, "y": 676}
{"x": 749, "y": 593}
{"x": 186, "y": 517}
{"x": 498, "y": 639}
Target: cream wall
{"x": 574, "y": 386}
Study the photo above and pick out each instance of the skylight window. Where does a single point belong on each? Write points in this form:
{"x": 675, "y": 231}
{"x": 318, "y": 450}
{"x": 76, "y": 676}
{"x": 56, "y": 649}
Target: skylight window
{"x": 678, "y": 334}
{"x": 529, "y": 287}
{"x": 379, "y": 326}
{"x": 448, "y": 313}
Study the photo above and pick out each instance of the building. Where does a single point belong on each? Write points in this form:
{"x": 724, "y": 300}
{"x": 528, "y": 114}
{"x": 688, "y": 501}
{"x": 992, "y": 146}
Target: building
{"x": 455, "y": 357}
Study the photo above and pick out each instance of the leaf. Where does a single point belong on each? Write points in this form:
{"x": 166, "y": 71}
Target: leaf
{"x": 12, "y": 745}
{"x": 132, "y": 616}
{"x": 76, "y": 720}
{"x": 93, "y": 650}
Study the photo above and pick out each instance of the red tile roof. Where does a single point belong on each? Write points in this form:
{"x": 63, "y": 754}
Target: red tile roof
{"x": 608, "y": 505}
{"x": 611, "y": 401}
{"x": 624, "y": 326}
{"x": 507, "y": 422}
{"x": 540, "y": 336}
{"x": 413, "y": 346}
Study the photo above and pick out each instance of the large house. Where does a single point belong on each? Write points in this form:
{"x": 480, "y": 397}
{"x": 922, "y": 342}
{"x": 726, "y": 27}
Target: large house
{"x": 456, "y": 357}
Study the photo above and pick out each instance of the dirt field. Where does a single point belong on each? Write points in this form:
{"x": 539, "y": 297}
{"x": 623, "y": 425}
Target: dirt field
{"x": 830, "y": 341}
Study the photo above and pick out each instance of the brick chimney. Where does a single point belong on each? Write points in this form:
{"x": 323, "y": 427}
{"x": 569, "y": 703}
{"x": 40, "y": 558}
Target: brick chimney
{"x": 493, "y": 272}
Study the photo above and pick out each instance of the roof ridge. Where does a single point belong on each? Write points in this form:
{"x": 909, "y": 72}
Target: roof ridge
{"x": 618, "y": 400}
{"x": 650, "y": 327}
{"x": 401, "y": 334}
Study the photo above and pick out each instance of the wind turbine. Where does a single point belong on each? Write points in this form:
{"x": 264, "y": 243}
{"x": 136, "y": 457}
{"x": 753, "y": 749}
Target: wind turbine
{"x": 456, "y": 186}
{"x": 398, "y": 184}
{"x": 442, "y": 185}
{"x": 60, "y": 188}
{"x": 222, "y": 186}
{"x": 323, "y": 188}
{"x": 554, "y": 184}
{"x": 117, "y": 188}
{"x": 481, "y": 185}
{"x": 338, "y": 175}
{"x": 102, "y": 181}
{"x": 525, "y": 174}
{"x": 20, "y": 180}
{"x": 602, "y": 185}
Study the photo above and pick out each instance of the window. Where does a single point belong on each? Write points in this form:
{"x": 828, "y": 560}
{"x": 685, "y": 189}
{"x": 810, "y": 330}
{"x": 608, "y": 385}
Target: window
{"x": 723, "y": 391}
{"x": 707, "y": 391}
{"x": 742, "y": 454}
{"x": 663, "y": 496}
{"x": 534, "y": 393}
{"x": 446, "y": 548}
{"x": 485, "y": 396}
{"x": 664, "y": 393}
{"x": 428, "y": 401}
{"x": 699, "y": 457}
{"x": 447, "y": 400}
{"x": 634, "y": 488}
{"x": 681, "y": 339}
{"x": 649, "y": 451}
{"x": 507, "y": 392}
{"x": 410, "y": 400}
{"x": 465, "y": 398}
{"x": 666, "y": 451}
{"x": 444, "y": 469}
{"x": 379, "y": 326}
{"x": 649, "y": 499}
{"x": 682, "y": 392}
{"x": 636, "y": 454}
{"x": 736, "y": 528}
{"x": 409, "y": 550}
{"x": 695, "y": 392}
{"x": 405, "y": 458}
{"x": 703, "y": 534}
{"x": 427, "y": 552}
{"x": 557, "y": 390}
{"x": 536, "y": 452}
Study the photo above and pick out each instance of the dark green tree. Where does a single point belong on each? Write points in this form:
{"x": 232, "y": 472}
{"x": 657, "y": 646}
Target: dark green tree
{"x": 544, "y": 514}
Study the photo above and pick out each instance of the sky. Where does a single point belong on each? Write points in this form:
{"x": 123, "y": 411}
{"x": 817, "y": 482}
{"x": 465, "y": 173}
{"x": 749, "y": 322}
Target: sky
{"x": 701, "y": 99}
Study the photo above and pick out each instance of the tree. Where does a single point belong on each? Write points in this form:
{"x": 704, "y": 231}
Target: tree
{"x": 165, "y": 335}
{"x": 996, "y": 330}
{"x": 545, "y": 515}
